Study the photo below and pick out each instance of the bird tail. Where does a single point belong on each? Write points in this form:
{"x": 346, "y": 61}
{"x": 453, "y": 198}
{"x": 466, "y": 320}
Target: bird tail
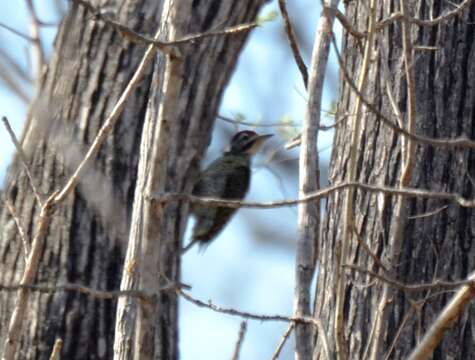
{"x": 200, "y": 233}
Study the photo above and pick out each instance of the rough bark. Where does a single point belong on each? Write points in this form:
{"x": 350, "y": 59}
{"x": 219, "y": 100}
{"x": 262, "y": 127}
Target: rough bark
{"x": 435, "y": 246}
{"x": 86, "y": 240}
{"x": 177, "y": 122}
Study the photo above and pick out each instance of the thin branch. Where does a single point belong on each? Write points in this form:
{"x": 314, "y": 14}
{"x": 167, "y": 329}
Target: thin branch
{"x": 274, "y": 125}
{"x": 365, "y": 246}
{"x": 319, "y": 194}
{"x": 36, "y": 46}
{"x": 345, "y": 23}
{"x": 244, "y": 314}
{"x": 23, "y": 159}
{"x": 93, "y": 293}
{"x": 21, "y": 232}
{"x": 398, "y": 16}
{"x": 445, "y": 321}
{"x": 398, "y": 333}
{"x": 12, "y": 82}
{"x": 429, "y": 213}
{"x": 240, "y": 340}
{"x": 435, "y": 285}
{"x": 16, "y": 32}
{"x": 10, "y": 63}
{"x": 253, "y": 124}
{"x": 282, "y": 341}
{"x": 293, "y": 43}
{"x": 296, "y": 141}
{"x": 164, "y": 46}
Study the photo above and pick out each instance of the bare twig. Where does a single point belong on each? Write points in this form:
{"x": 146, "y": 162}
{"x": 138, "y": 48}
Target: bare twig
{"x": 444, "y": 321}
{"x": 429, "y": 213}
{"x": 93, "y": 293}
{"x": 398, "y": 333}
{"x": 275, "y": 125}
{"x": 23, "y": 159}
{"x": 55, "y": 354}
{"x": 240, "y": 340}
{"x": 425, "y": 48}
{"x": 346, "y": 24}
{"x": 244, "y": 314}
{"x": 255, "y": 124}
{"x": 398, "y": 16}
{"x": 14, "y": 68}
{"x": 164, "y": 46}
{"x": 21, "y": 232}
{"x": 16, "y": 32}
{"x": 293, "y": 43}
{"x": 282, "y": 341}
{"x": 296, "y": 141}
{"x": 365, "y": 246}
{"x": 213, "y": 202}
{"x": 435, "y": 285}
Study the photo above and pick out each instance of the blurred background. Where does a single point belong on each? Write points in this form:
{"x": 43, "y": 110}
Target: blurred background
{"x": 250, "y": 266}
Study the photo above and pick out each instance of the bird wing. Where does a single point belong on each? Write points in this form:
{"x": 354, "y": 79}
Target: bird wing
{"x": 227, "y": 183}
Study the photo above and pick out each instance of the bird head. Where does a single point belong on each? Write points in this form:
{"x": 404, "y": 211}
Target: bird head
{"x": 247, "y": 142}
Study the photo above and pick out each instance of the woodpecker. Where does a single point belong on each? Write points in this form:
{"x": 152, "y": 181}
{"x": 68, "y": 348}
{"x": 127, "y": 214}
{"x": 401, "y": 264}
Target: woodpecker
{"x": 228, "y": 177}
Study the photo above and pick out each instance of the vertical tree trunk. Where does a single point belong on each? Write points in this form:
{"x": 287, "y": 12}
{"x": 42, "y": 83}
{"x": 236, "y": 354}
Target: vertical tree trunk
{"x": 178, "y": 122}
{"x": 439, "y": 245}
{"x": 87, "y": 237}
{"x": 85, "y": 242}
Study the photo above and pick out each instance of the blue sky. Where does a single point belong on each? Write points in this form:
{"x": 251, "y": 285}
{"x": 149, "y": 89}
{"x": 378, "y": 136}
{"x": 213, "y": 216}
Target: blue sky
{"x": 250, "y": 266}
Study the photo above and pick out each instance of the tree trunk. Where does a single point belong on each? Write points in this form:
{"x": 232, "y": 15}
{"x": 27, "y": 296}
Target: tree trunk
{"x": 439, "y": 245}
{"x": 87, "y": 237}
{"x": 178, "y": 121}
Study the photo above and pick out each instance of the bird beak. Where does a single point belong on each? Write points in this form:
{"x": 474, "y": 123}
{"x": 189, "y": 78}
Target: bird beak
{"x": 257, "y": 143}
